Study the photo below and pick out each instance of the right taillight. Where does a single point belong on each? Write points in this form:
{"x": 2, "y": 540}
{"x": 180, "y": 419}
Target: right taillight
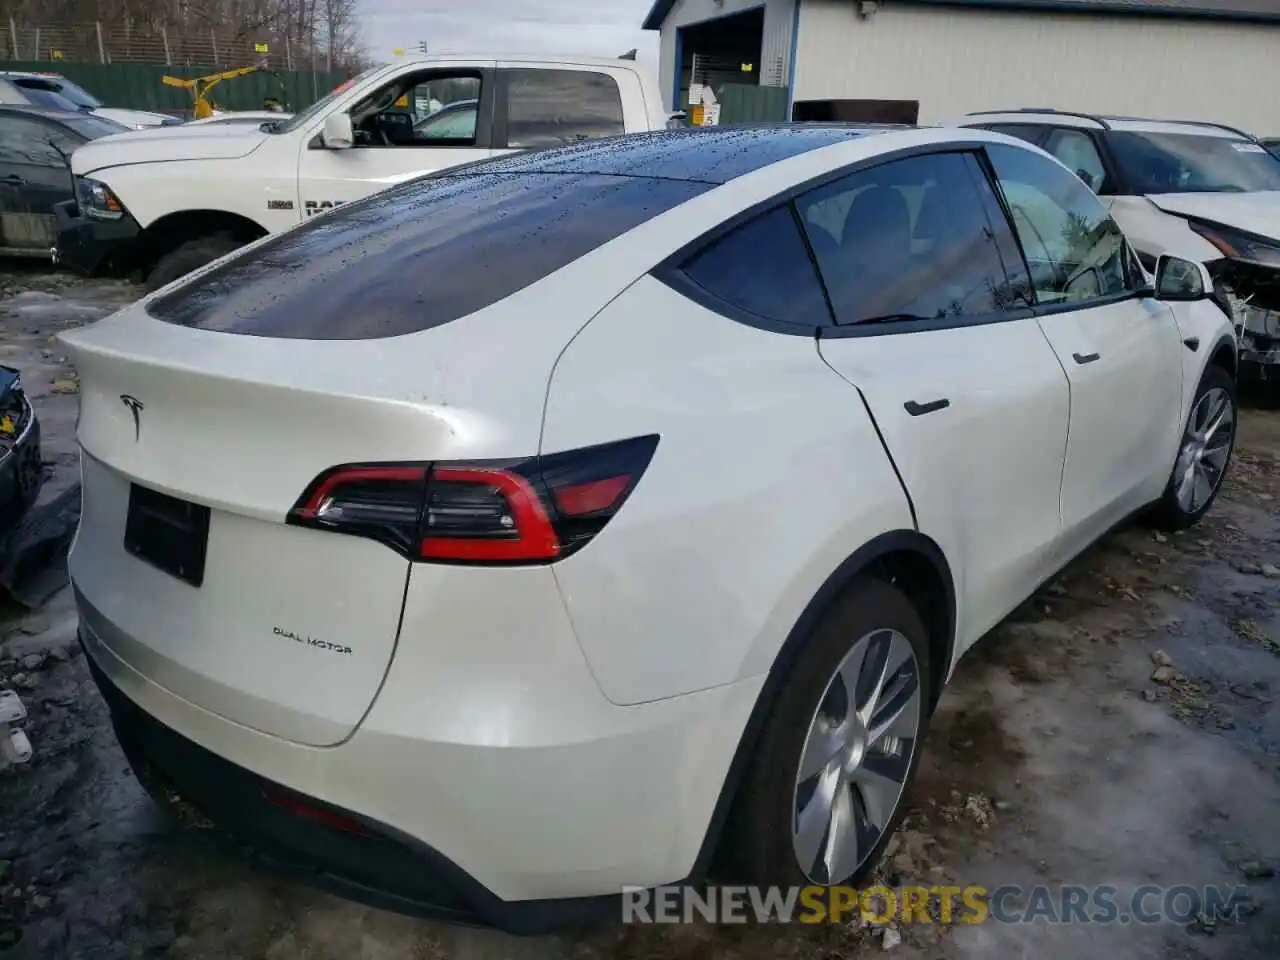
{"x": 536, "y": 510}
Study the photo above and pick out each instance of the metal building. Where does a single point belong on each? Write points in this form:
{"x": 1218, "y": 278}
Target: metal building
{"x": 937, "y": 59}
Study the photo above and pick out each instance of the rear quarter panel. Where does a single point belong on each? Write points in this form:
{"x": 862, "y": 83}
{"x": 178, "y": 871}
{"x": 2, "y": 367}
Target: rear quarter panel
{"x": 767, "y": 476}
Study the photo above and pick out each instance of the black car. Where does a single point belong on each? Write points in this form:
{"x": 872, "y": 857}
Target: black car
{"x": 35, "y": 171}
{"x": 20, "y": 468}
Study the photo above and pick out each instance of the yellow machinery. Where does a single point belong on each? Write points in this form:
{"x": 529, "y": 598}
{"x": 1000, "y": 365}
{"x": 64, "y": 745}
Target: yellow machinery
{"x": 200, "y": 87}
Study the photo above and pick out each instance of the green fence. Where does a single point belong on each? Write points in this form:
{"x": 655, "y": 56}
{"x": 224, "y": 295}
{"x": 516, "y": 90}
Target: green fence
{"x": 137, "y": 86}
{"x": 740, "y": 103}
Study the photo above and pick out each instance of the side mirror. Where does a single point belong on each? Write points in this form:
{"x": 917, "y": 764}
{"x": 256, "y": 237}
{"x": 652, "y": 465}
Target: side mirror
{"x": 1179, "y": 280}
{"x": 337, "y": 133}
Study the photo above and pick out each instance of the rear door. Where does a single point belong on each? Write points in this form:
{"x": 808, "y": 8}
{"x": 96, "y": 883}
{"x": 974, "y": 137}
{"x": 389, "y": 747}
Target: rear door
{"x": 1121, "y": 350}
{"x": 542, "y": 106}
{"x": 933, "y": 329}
{"x": 34, "y": 176}
{"x": 416, "y": 124}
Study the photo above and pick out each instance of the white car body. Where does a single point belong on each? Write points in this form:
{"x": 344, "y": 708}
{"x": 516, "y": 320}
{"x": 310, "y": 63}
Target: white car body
{"x": 183, "y": 184}
{"x": 565, "y": 729}
{"x": 1160, "y": 222}
{"x": 137, "y": 119}
{"x": 71, "y": 97}
{"x": 239, "y": 116}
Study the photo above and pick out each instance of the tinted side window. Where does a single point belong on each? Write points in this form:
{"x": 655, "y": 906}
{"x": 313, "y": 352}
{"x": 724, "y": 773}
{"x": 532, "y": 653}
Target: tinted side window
{"x": 1073, "y": 247}
{"x": 1075, "y": 150}
{"x": 29, "y": 141}
{"x": 907, "y": 240}
{"x": 762, "y": 267}
{"x": 550, "y": 107}
{"x": 418, "y": 255}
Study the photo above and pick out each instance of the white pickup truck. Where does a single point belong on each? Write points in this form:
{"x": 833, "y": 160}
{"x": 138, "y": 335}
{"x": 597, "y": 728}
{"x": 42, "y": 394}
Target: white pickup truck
{"x": 159, "y": 204}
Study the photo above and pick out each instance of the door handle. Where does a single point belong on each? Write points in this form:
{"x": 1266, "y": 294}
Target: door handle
{"x": 13, "y": 178}
{"x": 1083, "y": 358}
{"x": 920, "y": 409}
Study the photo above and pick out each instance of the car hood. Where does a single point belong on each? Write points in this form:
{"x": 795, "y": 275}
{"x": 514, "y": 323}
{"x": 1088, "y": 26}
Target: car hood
{"x": 131, "y": 118}
{"x": 1256, "y": 213}
{"x": 212, "y": 142}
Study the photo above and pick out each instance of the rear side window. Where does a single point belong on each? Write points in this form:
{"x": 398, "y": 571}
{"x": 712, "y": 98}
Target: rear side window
{"x": 546, "y": 108}
{"x": 908, "y": 240}
{"x": 763, "y": 268}
{"x": 418, "y": 255}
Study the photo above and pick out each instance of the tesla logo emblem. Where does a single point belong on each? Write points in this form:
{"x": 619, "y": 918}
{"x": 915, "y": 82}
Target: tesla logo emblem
{"x": 135, "y": 407}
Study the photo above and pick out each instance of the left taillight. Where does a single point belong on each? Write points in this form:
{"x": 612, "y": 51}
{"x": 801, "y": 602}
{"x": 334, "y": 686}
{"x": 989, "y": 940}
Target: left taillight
{"x": 536, "y": 510}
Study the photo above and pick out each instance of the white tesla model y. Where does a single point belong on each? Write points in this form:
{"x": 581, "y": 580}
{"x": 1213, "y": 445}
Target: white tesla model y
{"x": 531, "y": 531}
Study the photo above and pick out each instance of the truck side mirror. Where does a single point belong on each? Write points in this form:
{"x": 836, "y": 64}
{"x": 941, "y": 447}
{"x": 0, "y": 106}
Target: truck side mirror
{"x": 1179, "y": 280}
{"x": 337, "y": 133}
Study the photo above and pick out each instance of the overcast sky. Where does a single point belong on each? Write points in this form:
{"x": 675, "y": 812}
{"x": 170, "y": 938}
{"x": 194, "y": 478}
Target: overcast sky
{"x": 604, "y": 28}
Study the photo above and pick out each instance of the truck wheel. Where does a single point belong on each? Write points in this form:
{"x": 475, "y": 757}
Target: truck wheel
{"x": 190, "y": 256}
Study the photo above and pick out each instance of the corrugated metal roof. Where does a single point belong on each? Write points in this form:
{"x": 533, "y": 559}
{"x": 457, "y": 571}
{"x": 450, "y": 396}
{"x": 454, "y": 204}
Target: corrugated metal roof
{"x": 1259, "y": 11}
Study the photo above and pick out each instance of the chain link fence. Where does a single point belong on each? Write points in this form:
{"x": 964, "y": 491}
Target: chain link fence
{"x": 99, "y": 42}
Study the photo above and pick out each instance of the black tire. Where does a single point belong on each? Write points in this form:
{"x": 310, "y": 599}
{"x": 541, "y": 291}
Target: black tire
{"x": 759, "y": 846}
{"x": 190, "y": 256}
{"x": 1168, "y": 514}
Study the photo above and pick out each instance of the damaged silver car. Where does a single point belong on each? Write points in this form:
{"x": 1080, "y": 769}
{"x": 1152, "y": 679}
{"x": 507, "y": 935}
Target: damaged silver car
{"x": 1199, "y": 190}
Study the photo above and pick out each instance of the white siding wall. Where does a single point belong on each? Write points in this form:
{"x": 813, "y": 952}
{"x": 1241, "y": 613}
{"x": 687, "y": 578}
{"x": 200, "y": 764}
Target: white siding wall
{"x": 779, "y": 18}
{"x": 955, "y": 60}
{"x": 775, "y": 58}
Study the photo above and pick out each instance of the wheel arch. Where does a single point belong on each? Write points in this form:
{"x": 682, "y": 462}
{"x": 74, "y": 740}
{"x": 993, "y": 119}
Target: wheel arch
{"x": 1224, "y": 354}
{"x": 906, "y": 559}
{"x": 174, "y": 229}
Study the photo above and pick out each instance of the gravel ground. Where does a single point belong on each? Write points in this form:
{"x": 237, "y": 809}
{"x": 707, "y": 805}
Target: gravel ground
{"x": 1120, "y": 729}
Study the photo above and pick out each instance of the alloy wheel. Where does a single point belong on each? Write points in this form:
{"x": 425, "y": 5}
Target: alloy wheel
{"x": 1206, "y": 445}
{"x": 856, "y": 757}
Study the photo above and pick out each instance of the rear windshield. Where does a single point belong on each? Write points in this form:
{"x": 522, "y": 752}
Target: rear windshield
{"x": 418, "y": 255}
{"x": 49, "y": 99}
{"x": 60, "y": 85}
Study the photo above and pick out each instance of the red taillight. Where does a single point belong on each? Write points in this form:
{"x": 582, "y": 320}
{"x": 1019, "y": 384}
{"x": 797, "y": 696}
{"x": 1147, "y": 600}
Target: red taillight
{"x": 483, "y": 513}
{"x": 512, "y": 511}
{"x": 300, "y": 808}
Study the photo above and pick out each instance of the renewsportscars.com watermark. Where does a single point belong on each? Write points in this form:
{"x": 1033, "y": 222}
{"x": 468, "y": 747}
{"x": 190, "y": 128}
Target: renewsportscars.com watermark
{"x": 1063, "y": 904}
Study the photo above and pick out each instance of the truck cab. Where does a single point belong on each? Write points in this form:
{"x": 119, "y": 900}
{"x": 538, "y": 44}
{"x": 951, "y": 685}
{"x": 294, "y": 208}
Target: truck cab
{"x": 159, "y": 204}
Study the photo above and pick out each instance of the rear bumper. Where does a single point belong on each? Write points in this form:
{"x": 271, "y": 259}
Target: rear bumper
{"x": 308, "y": 840}
{"x": 91, "y": 247}
{"x": 520, "y": 816}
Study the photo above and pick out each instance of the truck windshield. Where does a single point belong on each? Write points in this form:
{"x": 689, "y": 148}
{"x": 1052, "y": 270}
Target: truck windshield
{"x": 1156, "y": 163}
{"x": 319, "y": 107}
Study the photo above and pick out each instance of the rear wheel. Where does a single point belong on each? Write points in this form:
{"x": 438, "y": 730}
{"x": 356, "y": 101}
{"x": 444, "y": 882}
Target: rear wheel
{"x": 825, "y": 791}
{"x": 1203, "y": 453}
{"x": 189, "y": 256}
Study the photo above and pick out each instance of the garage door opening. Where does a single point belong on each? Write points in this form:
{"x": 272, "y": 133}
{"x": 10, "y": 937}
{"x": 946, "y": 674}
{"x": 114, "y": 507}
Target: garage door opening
{"x": 719, "y": 52}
